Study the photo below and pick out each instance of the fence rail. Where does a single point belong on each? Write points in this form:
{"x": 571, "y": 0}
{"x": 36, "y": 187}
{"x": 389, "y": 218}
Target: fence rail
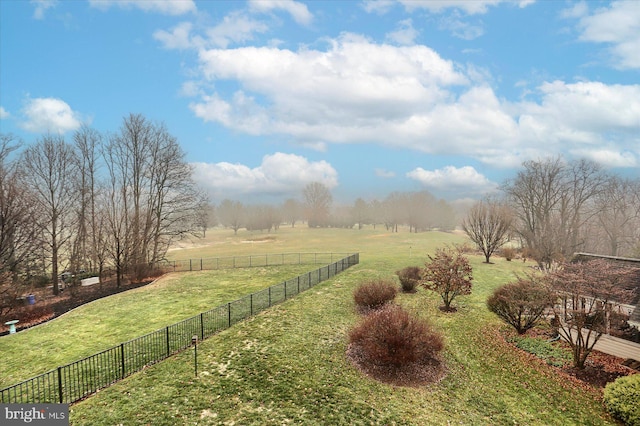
{"x": 74, "y": 381}
{"x": 205, "y": 264}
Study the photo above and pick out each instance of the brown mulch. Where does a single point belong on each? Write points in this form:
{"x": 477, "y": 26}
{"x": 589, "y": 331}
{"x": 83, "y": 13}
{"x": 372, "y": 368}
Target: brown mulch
{"x": 49, "y": 306}
{"x": 600, "y": 368}
{"x": 412, "y": 374}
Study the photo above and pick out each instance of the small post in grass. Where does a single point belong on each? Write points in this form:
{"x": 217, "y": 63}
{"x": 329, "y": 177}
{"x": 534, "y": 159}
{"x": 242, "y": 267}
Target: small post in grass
{"x": 194, "y": 342}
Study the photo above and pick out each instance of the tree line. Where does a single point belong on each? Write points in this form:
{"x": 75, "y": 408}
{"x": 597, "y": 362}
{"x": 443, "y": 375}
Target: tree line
{"x": 420, "y": 211}
{"x": 96, "y": 201}
{"x": 554, "y": 208}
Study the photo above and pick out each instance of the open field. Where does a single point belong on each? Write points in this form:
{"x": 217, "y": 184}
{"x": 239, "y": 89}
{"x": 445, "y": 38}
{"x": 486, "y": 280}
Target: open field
{"x": 288, "y": 364}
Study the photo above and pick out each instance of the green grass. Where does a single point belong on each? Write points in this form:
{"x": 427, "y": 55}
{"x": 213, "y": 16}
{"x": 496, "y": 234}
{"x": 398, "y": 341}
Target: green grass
{"x": 287, "y": 365}
{"x": 124, "y": 316}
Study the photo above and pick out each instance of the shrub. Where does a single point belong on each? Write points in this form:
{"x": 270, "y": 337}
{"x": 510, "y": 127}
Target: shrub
{"x": 374, "y": 294}
{"x": 392, "y": 337}
{"x": 409, "y": 278}
{"x": 508, "y": 253}
{"x": 521, "y": 303}
{"x": 621, "y": 399}
{"x": 449, "y": 274}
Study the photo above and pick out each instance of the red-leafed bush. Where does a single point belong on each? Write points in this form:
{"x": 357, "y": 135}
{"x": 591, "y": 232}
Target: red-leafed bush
{"x": 374, "y": 294}
{"x": 390, "y": 336}
{"x": 394, "y": 346}
{"x": 521, "y": 303}
{"x": 409, "y": 278}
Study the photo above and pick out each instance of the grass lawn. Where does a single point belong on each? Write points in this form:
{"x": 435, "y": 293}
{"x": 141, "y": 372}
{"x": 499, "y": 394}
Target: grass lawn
{"x": 107, "y": 322}
{"x": 288, "y": 364}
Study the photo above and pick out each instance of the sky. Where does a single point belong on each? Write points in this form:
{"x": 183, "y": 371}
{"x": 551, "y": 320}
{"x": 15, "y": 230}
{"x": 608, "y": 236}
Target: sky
{"x": 366, "y": 97}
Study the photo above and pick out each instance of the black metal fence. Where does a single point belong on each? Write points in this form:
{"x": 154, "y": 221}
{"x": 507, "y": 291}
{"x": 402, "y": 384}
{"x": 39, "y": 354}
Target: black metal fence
{"x": 74, "y": 381}
{"x": 207, "y": 264}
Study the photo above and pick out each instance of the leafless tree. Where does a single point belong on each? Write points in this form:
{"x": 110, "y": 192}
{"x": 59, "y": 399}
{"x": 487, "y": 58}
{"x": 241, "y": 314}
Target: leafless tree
{"x": 585, "y": 293}
{"x": 550, "y": 199}
{"x": 318, "y": 201}
{"x": 232, "y": 214}
{"x": 616, "y": 228}
{"x": 50, "y": 173}
{"x": 291, "y": 211}
{"x": 360, "y": 212}
{"x": 17, "y": 228}
{"x": 154, "y": 191}
{"x": 88, "y": 145}
{"x": 487, "y": 224}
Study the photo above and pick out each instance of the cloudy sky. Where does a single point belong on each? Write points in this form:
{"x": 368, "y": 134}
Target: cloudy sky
{"x": 367, "y": 97}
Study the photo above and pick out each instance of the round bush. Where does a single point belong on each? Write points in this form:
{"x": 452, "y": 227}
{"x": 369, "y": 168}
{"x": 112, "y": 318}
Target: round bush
{"x": 409, "y": 278}
{"x": 374, "y": 294}
{"x": 391, "y": 337}
{"x": 520, "y": 304}
{"x": 622, "y": 397}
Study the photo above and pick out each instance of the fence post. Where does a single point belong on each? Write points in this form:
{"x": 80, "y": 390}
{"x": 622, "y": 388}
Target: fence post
{"x": 298, "y": 284}
{"x": 229, "y": 311}
{"x": 122, "y": 364}
{"x": 251, "y": 304}
{"x": 201, "y": 264}
{"x": 270, "y": 296}
{"x": 60, "y": 396}
{"x": 201, "y": 325}
{"x": 190, "y": 267}
{"x": 168, "y": 346}
{"x": 250, "y": 261}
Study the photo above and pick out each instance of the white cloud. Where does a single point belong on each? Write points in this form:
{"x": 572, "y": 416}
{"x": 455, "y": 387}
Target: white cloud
{"x": 237, "y": 27}
{"x": 49, "y": 115}
{"x": 437, "y": 6}
{"x": 41, "y": 7}
{"x": 453, "y": 179}
{"x": 278, "y": 174}
{"x": 610, "y": 158}
{"x": 165, "y": 7}
{"x": 298, "y": 11}
{"x": 404, "y": 35}
{"x": 409, "y": 97}
{"x": 617, "y": 25}
{"x": 178, "y": 38}
{"x": 4, "y": 113}
{"x": 384, "y": 173}
{"x": 460, "y": 28}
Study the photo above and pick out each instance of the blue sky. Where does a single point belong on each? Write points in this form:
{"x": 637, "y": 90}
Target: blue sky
{"x": 367, "y": 97}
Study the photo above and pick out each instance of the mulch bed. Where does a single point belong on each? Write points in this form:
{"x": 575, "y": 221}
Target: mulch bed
{"x": 600, "y": 368}
{"x": 49, "y": 306}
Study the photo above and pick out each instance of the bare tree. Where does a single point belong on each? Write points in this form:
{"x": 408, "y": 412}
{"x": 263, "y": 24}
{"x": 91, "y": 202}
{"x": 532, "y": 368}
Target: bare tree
{"x": 616, "y": 228}
{"x": 231, "y": 214}
{"x": 585, "y": 293}
{"x": 487, "y": 224}
{"x": 360, "y": 212}
{"x": 291, "y": 211}
{"x": 87, "y": 143}
{"x": 155, "y": 191}
{"x": 318, "y": 201}
{"x": 17, "y": 228}
{"x": 550, "y": 199}
{"x": 50, "y": 170}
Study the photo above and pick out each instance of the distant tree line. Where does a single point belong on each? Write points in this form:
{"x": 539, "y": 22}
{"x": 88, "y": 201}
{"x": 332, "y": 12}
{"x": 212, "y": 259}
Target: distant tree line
{"x": 554, "y": 208}
{"x": 419, "y": 211}
{"x": 96, "y": 201}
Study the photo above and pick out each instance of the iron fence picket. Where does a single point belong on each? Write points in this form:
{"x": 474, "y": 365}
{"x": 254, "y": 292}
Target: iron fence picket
{"x": 74, "y": 381}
